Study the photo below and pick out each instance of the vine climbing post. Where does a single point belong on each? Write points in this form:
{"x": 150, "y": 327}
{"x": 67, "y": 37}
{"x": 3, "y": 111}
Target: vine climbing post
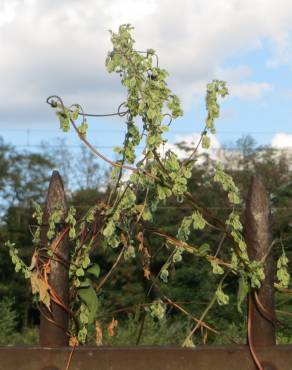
{"x": 259, "y": 242}
{"x": 132, "y": 206}
{"x": 54, "y": 322}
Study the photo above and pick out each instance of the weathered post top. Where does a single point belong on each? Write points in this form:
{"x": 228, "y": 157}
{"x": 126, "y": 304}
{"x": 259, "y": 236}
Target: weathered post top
{"x": 56, "y": 198}
{"x": 53, "y": 332}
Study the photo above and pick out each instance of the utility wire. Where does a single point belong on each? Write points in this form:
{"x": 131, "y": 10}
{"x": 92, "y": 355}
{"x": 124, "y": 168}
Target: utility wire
{"x": 173, "y": 131}
{"x": 225, "y": 149}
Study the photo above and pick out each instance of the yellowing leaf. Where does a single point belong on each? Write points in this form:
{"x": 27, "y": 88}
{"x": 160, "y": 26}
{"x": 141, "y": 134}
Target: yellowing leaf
{"x": 98, "y": 334}
{"x": 147, "y": 273}
{"x": 44, "y": 293}
{"x": 33, "y": 261}
{"x": 38, "y": 285}
{"x": 34, "y": 283}
{"x": 110, "y": 329}
{"x": 73, "y": 342}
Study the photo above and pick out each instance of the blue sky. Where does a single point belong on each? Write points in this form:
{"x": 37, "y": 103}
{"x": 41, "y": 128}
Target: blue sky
{"x": 59, "y": 47}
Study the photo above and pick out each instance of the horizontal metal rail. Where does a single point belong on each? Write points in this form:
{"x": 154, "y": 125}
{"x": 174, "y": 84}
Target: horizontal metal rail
{"x": 145, "y": 358}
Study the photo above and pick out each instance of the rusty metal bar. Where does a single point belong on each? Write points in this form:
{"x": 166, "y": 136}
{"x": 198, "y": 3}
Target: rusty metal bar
{"x": 145, "y": 358}
{"x": 53, "y": 334}
{"x": 259, "y": 241}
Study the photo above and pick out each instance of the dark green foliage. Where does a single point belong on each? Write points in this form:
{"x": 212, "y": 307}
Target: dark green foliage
{"x": 8, "y": 320}
{"x": 189, "y": 281}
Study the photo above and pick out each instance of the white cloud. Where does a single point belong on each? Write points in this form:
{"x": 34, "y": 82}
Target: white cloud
{"x": 250, "y": 90}
{"x": 7, "y": 12}
{"x": 53, "y": 46}
{"x": 192, "y": 141}
{"x": 240, "y": 84}
{"x": 188, "y": 143}
{"x": 283, "y": 53}
{"x": 282, "y": 141}
{"x": 127, "y": 11}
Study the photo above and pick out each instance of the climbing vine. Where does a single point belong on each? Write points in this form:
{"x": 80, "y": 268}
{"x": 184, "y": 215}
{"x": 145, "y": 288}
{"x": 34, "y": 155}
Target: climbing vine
{"x": 141, "y": 182}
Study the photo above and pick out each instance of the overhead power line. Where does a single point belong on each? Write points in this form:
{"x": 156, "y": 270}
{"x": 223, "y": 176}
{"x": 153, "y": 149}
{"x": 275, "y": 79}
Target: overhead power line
{"x": 122, "y": 130}
{"x": 46, "y": 146}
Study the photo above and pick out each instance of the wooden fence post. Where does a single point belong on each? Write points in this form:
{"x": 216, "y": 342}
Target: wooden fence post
{"x": 258, "y": 238}
{"x": 54, "y": 333}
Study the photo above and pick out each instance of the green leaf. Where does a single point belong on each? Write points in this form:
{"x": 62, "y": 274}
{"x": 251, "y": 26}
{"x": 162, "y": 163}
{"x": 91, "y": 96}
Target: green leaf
{"x": 94, "y": 270}
{"x": 129, "y": 252}
{"x": 85, "y": 262}
{"x": 64, "y": 121}
{"x": 198, "y": 221}
{"x": 256, "y": 273}
{"x": 206, "y": 142}
{"x": 147, "y": 215}
{"x": 88, "y": 296}
{"x": 82, "y": 334}
{"x": 27, "y": 274}
{"x": 80, "y": 272}
{"x": 151, "y": 113}
{"x": 109, "y": 229}
{"x": 282, "y": 271}
{"x": 132, "y": 82}
{"x": 233, "y": 198}
{"x": 217, "y": 270}
{"x": 83, "y": 318}
{"x": 83, "y": 128}
{"x": 72, "y": 233}
{"x": 204, "y": 249}
{"x": 151, "y": 140}
{"x": 84, "y": 283}
{"x": 243, "y": 289}
{"x": 222, "y": 298}
{"x": 17, "y": 266}
{"x": 177, "y": 256}
{"x": 157, "y": 309}
{"x": 184, "y": 229}
{"x": 164, "y": 275}
{"x": 150, "y": 52}
{"x": 74, "y": 115}
{"x": 118, "y": 150}
{"x": 163, "y": 192}
{"x": 172, "y": 162}
{"x": 50, "y": 253}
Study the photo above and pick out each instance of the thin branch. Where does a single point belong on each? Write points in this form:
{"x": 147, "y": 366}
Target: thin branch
{"x": 203, "y": 324}
{"x": 105, "y": 278}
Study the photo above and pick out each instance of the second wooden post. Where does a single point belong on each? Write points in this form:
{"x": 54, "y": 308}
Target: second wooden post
{"x": 54, "y": 323}
{"x": 259, "y": 242}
